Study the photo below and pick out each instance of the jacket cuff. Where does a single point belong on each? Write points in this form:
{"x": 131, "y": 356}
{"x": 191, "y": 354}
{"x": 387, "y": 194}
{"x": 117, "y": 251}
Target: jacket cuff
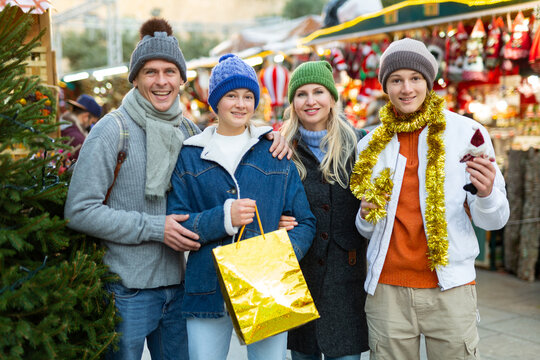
{"x": 364, "y": 227}
{"x": 229, "y": 228}
{"x": 488, "y": 202}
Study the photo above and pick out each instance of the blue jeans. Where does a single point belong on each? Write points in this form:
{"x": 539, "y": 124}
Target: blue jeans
{"x": 301, "y": 356}
{"x": 209, "y": 339}
{"x": 151, "y": 314}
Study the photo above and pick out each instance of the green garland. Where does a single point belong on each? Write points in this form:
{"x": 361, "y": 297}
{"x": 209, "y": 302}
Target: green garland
{"x": 379, "y": 190}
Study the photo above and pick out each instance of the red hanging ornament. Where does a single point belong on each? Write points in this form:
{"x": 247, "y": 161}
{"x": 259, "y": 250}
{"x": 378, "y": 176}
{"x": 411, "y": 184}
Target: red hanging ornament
{"x": 473, "y": 68}
{"x": 520, "y": 41}
{"x": 275, "y": 78}
{"x": 349, "y": 53}
{"x": 494, "y": 42}
{"x": 338, "y": 60}
{"x": 534, "y": 55}
{"x": 369, "y": 72}
{"x": 456, "y": 45}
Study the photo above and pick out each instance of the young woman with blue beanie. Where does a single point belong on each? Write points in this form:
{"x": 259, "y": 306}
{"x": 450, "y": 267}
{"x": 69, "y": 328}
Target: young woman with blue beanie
{"x": 324, "y": 152}
{"x": 219, "y": 177}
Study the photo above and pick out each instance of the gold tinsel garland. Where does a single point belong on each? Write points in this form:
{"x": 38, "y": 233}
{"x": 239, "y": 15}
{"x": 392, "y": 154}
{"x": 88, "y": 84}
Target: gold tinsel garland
{"x": 379, "y": 190}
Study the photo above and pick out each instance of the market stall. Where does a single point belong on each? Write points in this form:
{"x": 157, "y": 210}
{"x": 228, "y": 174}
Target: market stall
{"x": 489, "y": 56}
{"x": 41, "y": 62}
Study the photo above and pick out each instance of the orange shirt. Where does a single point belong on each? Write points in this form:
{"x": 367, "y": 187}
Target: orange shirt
{"x": 406, "y": 262}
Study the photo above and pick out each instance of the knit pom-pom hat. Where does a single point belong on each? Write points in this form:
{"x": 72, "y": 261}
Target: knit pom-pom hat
{"x": 408, "y": 54}
{"x": 157, "y": 42}
{"x": 312, "y": 72}
{"x": 231, "y": 73}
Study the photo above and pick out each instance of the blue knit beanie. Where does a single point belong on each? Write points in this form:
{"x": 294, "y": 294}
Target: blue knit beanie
{"x": 231, "y": 73}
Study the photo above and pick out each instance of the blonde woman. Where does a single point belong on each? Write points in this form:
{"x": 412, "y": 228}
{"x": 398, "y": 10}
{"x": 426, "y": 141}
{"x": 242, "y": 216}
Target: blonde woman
{"x": 324, "y": 151}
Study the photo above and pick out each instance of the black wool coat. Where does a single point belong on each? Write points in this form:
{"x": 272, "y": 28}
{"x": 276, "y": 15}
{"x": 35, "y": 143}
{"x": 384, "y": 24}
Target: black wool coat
{"x": 334, "y": 267}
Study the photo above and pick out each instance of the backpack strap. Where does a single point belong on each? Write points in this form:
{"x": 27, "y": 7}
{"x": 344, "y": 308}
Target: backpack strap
{"x": 122, "y": 147}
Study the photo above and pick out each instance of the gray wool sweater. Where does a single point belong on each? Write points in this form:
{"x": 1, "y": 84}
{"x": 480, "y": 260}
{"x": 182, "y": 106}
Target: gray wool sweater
{"x": 130, "y": 225}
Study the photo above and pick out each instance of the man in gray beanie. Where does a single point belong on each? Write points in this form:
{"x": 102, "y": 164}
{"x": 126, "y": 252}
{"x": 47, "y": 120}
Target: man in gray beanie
{"x": 144, "y": 245}
{"x": 414, "y": 174}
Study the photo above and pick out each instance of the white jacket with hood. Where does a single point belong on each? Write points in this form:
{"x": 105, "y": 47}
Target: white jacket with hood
{"x": 489, "y": 213}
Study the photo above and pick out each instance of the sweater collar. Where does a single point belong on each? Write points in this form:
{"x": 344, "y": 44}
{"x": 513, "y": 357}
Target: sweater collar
{"x": 312, "y": 138}
{"x": 203, "y": 139}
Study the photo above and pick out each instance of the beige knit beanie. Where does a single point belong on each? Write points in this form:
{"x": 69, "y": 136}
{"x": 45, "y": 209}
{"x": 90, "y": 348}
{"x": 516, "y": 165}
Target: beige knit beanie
{"x": 408, "y": 54}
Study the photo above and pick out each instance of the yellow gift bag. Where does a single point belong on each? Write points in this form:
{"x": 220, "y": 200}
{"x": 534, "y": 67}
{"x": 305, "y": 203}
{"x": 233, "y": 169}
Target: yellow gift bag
{"x": 263, "y": 286}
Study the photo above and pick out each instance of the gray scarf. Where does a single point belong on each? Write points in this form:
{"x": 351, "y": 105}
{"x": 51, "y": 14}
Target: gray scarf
{"x": 163, "y": 139}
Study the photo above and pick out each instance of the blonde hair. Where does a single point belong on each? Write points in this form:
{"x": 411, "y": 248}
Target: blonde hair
{"x": 340, "y": 142}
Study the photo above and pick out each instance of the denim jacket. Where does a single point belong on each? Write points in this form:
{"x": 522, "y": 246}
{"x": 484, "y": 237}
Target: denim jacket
{"x": 201, "y": 187}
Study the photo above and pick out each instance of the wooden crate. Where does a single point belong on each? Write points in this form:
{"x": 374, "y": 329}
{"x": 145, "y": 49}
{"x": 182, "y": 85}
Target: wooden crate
{"x": 37, "y": 64}
{"x": 42, "y": 62}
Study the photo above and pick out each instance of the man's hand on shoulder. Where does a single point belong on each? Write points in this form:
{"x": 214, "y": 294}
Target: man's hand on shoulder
{"x": 280, "y": 148}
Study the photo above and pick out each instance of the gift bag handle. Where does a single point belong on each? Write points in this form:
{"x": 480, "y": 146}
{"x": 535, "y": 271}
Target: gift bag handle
{"x": 243, "y": 227}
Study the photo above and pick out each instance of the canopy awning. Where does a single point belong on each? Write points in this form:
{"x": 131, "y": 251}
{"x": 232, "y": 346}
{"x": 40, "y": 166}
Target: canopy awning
{"x": 412, "y": 14}
{"x": 37, "y": 6}
{"x": 279, "y": 35}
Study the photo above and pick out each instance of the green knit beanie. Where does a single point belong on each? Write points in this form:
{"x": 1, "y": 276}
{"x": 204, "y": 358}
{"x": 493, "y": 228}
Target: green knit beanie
{"x": 313, "y": 72}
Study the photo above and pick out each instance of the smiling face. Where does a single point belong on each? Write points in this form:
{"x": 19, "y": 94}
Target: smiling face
{"x": 407, "y": 90}
{"x": 159, "y": 82}
{"x": 235, "y": 109}
{"x": 312, "y": 104}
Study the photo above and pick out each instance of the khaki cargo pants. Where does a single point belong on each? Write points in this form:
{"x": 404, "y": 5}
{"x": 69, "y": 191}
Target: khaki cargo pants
{"x": 397, "y": 316}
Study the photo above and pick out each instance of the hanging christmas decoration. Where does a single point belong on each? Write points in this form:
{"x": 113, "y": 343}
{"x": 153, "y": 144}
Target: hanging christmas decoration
{"x": 275, "y": 78}
{"x": 456, "y": 45}
{"x": 353, "y": 59}
{"x": 520, "y": 41}
{"x": 369, "y": 71}
{"x": 436, "y": 46}
{"x": 337, "y": 59}
{"x": 494, "y": 43}
{"x": 48, "y": 106}
{"x": 473, "y": 68}
{"x": 534, "y": 54}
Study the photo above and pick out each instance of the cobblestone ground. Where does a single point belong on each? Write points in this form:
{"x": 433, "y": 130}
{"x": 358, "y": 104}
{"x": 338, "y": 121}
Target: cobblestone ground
{"x": 510, "y": 320}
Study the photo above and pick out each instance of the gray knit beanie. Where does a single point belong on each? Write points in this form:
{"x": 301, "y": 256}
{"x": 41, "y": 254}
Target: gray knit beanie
{"x": 408, "y": 54}
{"x": 159, "y": 44}
{"x": 231, "y": 73}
